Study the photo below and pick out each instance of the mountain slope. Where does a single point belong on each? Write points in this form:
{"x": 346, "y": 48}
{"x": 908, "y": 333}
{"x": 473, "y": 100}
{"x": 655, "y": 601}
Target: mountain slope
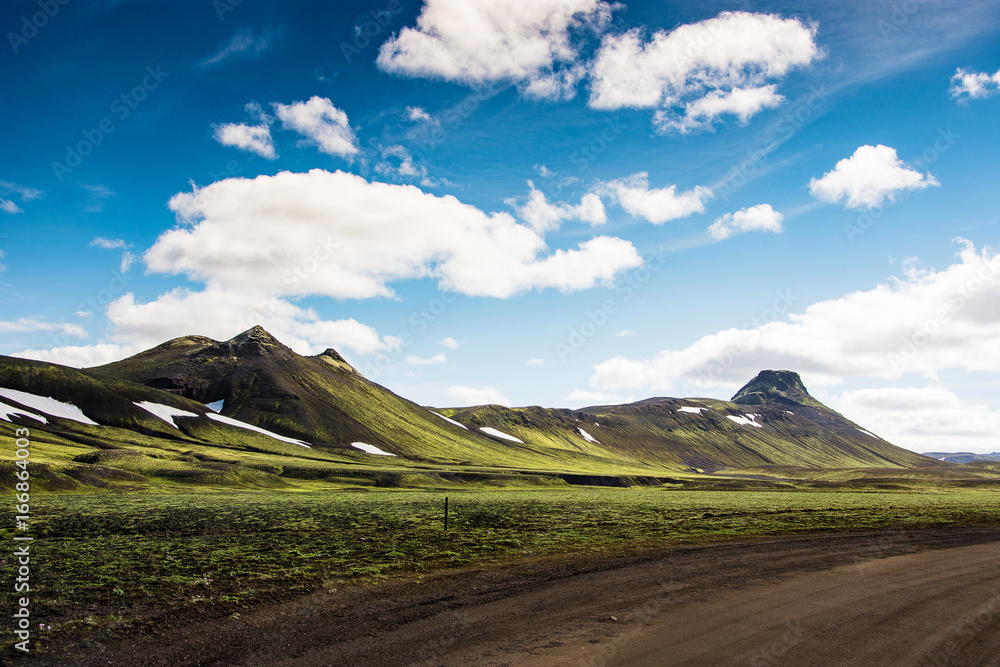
{"x": 321, "y": 399}
{"x": 285, "y": 416}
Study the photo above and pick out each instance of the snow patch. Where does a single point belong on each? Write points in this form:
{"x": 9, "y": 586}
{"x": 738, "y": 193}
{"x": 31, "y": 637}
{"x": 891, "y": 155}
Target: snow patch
{"x": 370, "y": 449}
{"x": 238, "y": 424}
{"x": 216, "y": 406}
{"x": 7, "y": 411}
{"x": 450, "y": 421}
{"x": 789, "y": 412}
{"x": 588, "y": 437}
{"x": 694, "y": 411}
{"x": 165, "y": 412}
{"x": 48, "y": 405}
{"x": 499, "y": 434}
{"x": 747, "y": 420}
{"x": 869, "y": 433}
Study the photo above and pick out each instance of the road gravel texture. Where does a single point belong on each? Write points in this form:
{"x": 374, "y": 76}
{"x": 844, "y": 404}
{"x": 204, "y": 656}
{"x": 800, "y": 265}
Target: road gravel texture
{"x": 914, "y": 597}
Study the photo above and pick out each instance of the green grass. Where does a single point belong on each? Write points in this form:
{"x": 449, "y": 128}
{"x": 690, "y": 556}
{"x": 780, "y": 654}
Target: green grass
{"x": 115, "y": 559}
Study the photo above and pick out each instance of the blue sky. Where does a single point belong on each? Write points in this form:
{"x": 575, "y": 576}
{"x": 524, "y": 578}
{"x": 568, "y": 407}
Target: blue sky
{"x": 563, "y": 202}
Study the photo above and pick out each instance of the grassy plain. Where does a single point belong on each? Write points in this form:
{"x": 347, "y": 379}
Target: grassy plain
{"x": 110, "y": 560}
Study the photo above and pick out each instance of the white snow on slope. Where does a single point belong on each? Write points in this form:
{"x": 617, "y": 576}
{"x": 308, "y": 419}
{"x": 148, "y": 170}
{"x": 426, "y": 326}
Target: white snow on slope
{"x": 745, "y": 421}
{"x": 868, "y": 433}
{"x": 694, "y": 411}
{"x": 165, "y": 412}
{"x": 370, "y": 449}
{"x": 7, "y": 411}
{"x": 216, "y": 405}
{"x": 238, "y": 424}
{"x": 499, "y": 434}
{"x": 588, "y": 437}
{"x": 450, "y": 421}
{"x": 48, "y": 405}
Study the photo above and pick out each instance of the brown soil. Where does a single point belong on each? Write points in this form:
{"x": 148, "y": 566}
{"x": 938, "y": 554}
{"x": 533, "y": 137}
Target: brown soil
{"x": 927, "y": 596}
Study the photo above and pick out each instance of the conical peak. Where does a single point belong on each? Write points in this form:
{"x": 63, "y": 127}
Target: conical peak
{"x": 774, "y": 387}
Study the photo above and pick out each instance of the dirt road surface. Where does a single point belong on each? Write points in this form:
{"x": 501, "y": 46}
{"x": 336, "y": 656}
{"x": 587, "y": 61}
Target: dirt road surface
{"x": 921, "y": 597}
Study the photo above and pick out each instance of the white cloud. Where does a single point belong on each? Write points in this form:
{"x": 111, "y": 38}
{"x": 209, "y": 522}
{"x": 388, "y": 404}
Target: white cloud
{"x": 625, "y": 333}
{"x": 27, "y": 324}
{"x": 98, "y": 195}
{"x": 108, "y": 244}
{"x": 127, "y": 258}
{"x": 924, "y": 419}
{"x": 418, "y": 115}
{"x": 7, "y": 206}
{"x": 322, "y": 123}
{"x": 338, "y": 235}
{"x": 81, "y": 356}
{"x": 536, "y": 362}
{"x": 700, "y": 71}
{"x": 245, "y": 43}
{"x": 254, "y": 138}
{"x": 657, "y": 205}
{"x": 926, "y": 322}
{"x": 449, "y": 343}
{"x": 477, "y": 395}
{"x": 702, "y": 113}
{"x": 484, "y": 41}
{"x": 22, "y": 191}
{"x": 405, "y": 167}
{"x": 581, "y": 398}
{"x": 220, "y": 314}
{"x": 544, "y": 216}
{"x": 414, "y": 360}
{"x": 873, "y": 175}
{"x": 974, "y": 85}
{"x": 759, "y": 218}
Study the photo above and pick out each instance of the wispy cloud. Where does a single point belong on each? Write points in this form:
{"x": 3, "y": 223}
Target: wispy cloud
{"x": 127, "y": 258}
{"x": 244, "y": 44}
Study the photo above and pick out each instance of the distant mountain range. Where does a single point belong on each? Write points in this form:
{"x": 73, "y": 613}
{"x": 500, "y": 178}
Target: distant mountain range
{"x": 186, "y": 409}
{"x": 962, "y": 457}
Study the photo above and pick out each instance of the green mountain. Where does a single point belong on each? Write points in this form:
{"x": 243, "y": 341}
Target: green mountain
{"x": 288, "y": 419}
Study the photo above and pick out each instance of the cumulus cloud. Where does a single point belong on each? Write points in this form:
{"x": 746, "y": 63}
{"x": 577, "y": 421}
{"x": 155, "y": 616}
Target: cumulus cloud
{"x": 701, "y": 114}
{"x": 477, "y": 395}
{"x": 220, "y": 314}
{"x": 245, "y": 43}
{"x": 439, "y": 358}
{"x": 475, "y": 42}
{"x": 321, "y": 123}
{"x": 926, "y": 322}
{"x": 81, "y": 356}
{"x": 967, "y": 85}
{"x": 254, "y": 138}
{"x": 698, "y": 72}
{"x": 759, "y": 218}
{"x": 544, "y": 216}
{"x": 338, "y": 235}
{"x": 449, "y": 343}
{"x": 873, "y": 175}
{"x": 582, "y": 398}
{"x": 923, "y": 419}
{"x": 657, "y": 205}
